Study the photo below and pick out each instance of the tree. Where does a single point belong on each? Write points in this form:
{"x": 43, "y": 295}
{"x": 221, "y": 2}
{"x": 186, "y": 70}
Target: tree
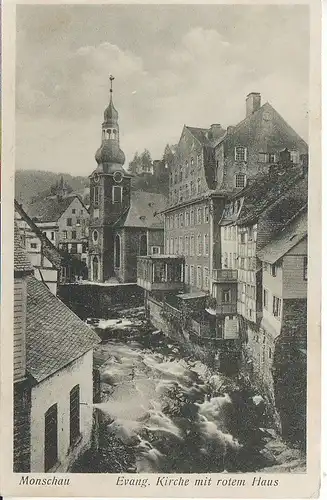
{"x": 168, "y": 156}
{"x": 146, "y": 161}
{"x": 135, "y": 165}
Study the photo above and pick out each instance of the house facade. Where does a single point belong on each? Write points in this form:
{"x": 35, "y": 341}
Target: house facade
{"x": 64, "y": 219}
{"x": 123, "y": 223}
{"x": 45, "y": 258}
{"x": 53, "y": 375}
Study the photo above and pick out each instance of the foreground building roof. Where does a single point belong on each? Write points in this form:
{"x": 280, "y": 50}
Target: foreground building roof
{"x": 51, "y": 209}
{"x": 22, "y": 263}
{"x": 55, "y": 336}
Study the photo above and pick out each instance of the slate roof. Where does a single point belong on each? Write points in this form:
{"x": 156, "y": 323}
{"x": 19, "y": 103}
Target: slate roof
{"x": 55, "y": 336}
{"x": 50, "y": 209}
{"x": 283, "y": 194}
{"x": 286, "y": 239}
{"x": 144, "y": 211}
{"x": 21, "y": 260}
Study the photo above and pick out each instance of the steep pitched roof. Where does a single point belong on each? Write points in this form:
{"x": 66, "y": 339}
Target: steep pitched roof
{"x": 284, "y": 194}
{"x": 22, "y": 263}
{"x": 50, "y": 209}
{"x": 283, "y": 133}
{"x": 200, "y": 134}
{"x": 49, "y": 250}
{"x": 144, "y": 211}
{"x": 55, "y": 336}
{"x": 286, "y": 239}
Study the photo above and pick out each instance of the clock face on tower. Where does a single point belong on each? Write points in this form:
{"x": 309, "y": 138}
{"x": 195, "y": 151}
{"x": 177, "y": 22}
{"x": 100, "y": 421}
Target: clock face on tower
{"x": 118, "y": 177}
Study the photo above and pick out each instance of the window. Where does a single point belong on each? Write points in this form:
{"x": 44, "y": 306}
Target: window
{"x": 143, "y": 245}
{"x": 78, "y": 222}
{"x": 187, "y": 245}
{"x": 240, "y": 180}
{"x": 180, "y": 193}
{"x": 117, "y": 194}
{"x": 305, "y": 268}
{"x": 199, "y": 221}
{"x": 199, "y": 250}
{"x": 69, "y": 221}
{"x": 73, "y": 210}
{"x": 269, "y": 353}
{"x": 95, "y": 236}
{"x": 187, "y": 192}
{"x": 192, "y": 218}
{"x": 84, "y": 247}
{"x": 176, "y": 245}
{"x": 186, "y": 277}
{"x": 226, "y": 296}
{"x": 181, "y": 219}
{"x": 272, "y": 157}
{"x": 192, "y": 275}
{"x": 171, "y": 246}
{"x": 206, "y": 244}
{"x": 225, "y": 261}
{"x": 73, "y": 235}
{"x": 240, "y": 153}
{"x": 263, "y": 157}
{"x": 34, "y": 246}
{"x": 250, "y": 234}
{"x": 155, "y": 250}
{"x": 117, "y": 251}
{"x": 52, "y": 235}
{"x": 181, "y": 245}
{"x": 277, "y": 303}
{"x": 192, "y": 163}
{"x": 192, "y": 249}
{"x": 176, "y": 221}
{"x": 206, "y": 214}
{"x": 64, "y": 235}
{"x": 74, "y": 415}
{"x": 242, "y": 237}
{"x": 95, "y": 195}
{"x": 181, "y": 174}
{"x": 273, "y": 270}
{"x": 265, "y": 298}
{"x": 206, "y": 278}
{"x": 199, "y": 277}
{"x": 198, "y": 186}
{"x": 187, "y": 218}
{"x": 73, "y": 248}
{"x": 50, "y": 438}
{"x": 294, "y": 156}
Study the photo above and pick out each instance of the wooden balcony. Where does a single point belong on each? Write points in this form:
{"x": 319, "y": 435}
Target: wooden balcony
{"x": 224, "y": 275}
{"x": 161, "y": 272}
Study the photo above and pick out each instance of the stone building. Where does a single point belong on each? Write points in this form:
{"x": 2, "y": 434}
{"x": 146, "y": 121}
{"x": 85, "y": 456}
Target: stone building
{"x": 64, "y": 219}
{"x": 123, "y": 223}
{"x": 53, "y": 375}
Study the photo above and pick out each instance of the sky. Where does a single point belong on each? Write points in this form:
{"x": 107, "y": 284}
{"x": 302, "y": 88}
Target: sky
{"x": 173, "y": 65}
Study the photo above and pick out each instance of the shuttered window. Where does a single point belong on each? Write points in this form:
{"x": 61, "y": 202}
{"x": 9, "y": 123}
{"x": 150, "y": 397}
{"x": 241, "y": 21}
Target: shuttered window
{"x": 51, "y": 437}
{"x": 74, "y": 415}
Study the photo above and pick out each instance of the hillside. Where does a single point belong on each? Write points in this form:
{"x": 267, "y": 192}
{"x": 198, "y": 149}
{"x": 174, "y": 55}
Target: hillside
{"x": 33, "y": 183}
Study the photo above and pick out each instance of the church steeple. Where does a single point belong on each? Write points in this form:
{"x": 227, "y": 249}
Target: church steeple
{"x": 109, "y": 155}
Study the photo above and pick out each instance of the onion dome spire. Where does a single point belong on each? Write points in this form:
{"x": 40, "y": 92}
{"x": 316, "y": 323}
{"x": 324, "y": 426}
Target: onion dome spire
{"x": 109, "y": 154}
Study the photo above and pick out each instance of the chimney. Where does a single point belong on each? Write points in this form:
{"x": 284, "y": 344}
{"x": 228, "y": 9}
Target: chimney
{"x": 253, "y": 103}
{"x": 215, "y": 131}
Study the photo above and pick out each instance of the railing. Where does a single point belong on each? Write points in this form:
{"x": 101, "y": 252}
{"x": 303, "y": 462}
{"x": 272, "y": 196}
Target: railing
{"x": 170, "y": 312}
{"x": 224, "y": 275}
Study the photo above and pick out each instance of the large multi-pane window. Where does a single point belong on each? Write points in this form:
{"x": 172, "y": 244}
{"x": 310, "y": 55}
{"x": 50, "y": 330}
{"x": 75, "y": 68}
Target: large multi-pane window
{"x": 240, "y": 180}
{"x": 277, "y": 306}
{"x": 240, "y": 153}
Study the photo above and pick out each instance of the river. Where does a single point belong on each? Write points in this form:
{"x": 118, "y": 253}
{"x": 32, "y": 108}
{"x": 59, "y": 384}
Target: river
{"x": 163, "y": 412}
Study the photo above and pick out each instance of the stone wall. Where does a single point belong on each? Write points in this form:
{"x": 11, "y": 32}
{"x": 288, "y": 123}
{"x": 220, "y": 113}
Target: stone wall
{"x": 98, "y": 300}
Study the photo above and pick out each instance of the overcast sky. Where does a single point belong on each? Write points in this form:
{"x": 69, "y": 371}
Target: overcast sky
{"x": 173, "y": 65}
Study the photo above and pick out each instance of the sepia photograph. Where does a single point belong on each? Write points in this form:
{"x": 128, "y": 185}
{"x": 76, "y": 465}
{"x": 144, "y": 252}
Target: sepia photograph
{"x": 161, "y": 173}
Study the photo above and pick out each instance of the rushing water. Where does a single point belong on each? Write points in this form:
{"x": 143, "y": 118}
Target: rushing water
{"x": 171, "y": 414}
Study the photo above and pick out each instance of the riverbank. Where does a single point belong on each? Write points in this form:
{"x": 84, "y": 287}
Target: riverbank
{"x": 164, "y": 410}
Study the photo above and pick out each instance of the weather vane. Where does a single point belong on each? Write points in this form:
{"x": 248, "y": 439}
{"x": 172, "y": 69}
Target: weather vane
{"x": 111, "y": 78}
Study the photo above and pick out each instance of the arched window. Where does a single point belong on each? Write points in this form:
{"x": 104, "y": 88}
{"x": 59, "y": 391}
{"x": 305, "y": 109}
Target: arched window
{"x": 95, "y": 268}
{"x": 117, "y": 250}
{"x": 143, "y": 245}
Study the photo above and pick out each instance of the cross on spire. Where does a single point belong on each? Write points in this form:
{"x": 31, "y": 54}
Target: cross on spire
{"x": 111, "y": 78}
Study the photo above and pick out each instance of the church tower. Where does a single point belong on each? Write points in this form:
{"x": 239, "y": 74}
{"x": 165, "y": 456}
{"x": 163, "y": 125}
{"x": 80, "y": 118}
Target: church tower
{"x": 110, "y": 189}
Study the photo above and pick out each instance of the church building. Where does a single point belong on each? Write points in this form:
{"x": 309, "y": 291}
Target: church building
{"x": 123, "y": 223}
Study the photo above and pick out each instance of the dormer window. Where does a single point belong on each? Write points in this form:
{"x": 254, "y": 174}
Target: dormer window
{"x": 240, "y": 153}
{"x": 117, "y": 194}
{"x": 240, "y": 180}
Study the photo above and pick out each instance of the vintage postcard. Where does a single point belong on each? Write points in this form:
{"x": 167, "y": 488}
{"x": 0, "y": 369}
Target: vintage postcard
{"x": 161, "y": 261}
